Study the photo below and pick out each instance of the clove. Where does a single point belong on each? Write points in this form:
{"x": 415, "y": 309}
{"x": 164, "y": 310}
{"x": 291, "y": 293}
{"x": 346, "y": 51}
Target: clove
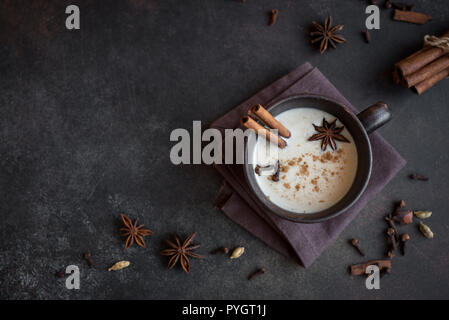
{"x": 355, "y": 244}
{"x": 221, "y": 250}
{"x": 88, "y": 257}
{"x": 402, "y": 6}
{"x": 366, "y": 35}
{"x": 392, "y": 234}
{"x": 273, "y": 16}
{"x": 59, "y": 274}
{"x": 404, "y": 238}
{"x": 416, "y": 176}
{"x": 256, "y": 273}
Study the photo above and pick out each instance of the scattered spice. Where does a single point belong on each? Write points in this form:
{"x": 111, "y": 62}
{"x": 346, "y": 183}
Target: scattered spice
{"x": 404, "y": 238}
{"x": 366, "y": 35}
{"x": 392, "y": 225}
{"x": 221, "y": 250}
{"x": 88, "y": 257}
{"x": 327, "y": 34}
{"x": 355, "y": 244}
{"x": 134, "y": 232}
{"x": 328, "y": 133}
{"x": 425, "y": 230}
{"x": 237, "y": 252}
{"x": 390, "y": 254}
{"x": 422, "y": 214}
{"x": 59, "y": 274}
{"x": 411, "y": 16}
{"x": 416, "y": 176}
{"x": 360, "y": 269}
{"x": 388, "y": 4}
{"x": 119, "y": 265}
{"x": 181, "y": 252}
{"x": 257, "y": 273}
{"x": 273, "y": 16}
{"x": 403, "y": 216}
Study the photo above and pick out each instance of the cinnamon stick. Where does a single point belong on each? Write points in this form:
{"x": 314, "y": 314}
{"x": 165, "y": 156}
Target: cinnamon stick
{"x": 250, "y": 123}
{"x": 266, "y": 117}
{"x": 360, "y": 269}
{"x": 411, "y": 16}
{"x": 419, "y": 59}
{"x": 426, "y": 72}
{"x": 430, "y": 82}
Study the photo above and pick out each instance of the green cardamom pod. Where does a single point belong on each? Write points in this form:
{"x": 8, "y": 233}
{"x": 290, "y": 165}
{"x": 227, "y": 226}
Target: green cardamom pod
{"x": 422, "y": 214}
{"x": 425, "y": 230}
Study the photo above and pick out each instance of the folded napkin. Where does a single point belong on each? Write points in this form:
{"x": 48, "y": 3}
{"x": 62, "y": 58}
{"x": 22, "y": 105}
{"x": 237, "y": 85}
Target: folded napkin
{"x": 301, "y": 242}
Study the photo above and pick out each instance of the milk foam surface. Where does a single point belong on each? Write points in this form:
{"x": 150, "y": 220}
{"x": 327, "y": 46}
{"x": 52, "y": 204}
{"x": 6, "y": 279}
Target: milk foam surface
{"x": 310, "y": 180}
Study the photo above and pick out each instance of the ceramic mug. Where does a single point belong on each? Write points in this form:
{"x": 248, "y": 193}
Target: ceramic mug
{"x": 360, "y": 126}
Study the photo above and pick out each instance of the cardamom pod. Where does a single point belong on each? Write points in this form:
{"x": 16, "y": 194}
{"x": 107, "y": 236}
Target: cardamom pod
{"x": 119, "y": 265}
{"x": 422, "y": 214}
{"x": 237, "y": 252}
{"x": 425, "y": 230}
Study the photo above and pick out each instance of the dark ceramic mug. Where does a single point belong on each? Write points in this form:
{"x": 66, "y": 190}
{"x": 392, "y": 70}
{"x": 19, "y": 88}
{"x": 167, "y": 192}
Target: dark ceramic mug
{"x": 359, "y": 126}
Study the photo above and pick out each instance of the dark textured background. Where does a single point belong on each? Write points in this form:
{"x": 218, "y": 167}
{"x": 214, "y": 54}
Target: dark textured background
{"x": 85, "y": 119}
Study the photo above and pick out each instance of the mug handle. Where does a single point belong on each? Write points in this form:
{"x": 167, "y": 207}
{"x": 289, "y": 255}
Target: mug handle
{"x": 375, "y": 116}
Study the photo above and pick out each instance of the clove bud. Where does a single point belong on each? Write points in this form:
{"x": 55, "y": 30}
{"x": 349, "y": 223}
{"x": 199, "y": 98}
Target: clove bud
{"x": 422, "y": 214}
{"x": 221, "y": 250}
{"x": 88, "y": 257}
{"x": 403, "y": 216}
{"x": 404, "y": 238}
{"x": 366, "y": 35}
{"x": 256, "y": 273}
{"x": 355, "y": 244}
{"x": 392, "y": 234}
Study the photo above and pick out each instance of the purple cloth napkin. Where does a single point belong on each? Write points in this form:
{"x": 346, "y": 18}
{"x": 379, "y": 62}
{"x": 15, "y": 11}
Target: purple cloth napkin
{"x": 301, "y": 242}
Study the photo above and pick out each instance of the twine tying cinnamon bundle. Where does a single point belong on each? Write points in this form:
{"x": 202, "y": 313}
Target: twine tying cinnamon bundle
{"x": 425, "y": 68}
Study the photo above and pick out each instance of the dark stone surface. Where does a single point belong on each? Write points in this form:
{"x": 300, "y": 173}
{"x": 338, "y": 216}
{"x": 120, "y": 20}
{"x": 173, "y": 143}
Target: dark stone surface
{"x": 85, "y": 119}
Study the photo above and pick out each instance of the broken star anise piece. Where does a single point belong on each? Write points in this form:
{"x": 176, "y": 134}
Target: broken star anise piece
{"x": 134, "y": 232}
{"x": 181, "y": 252}
{"x": 327, "y": 34}
{"x": 328, "y": 133}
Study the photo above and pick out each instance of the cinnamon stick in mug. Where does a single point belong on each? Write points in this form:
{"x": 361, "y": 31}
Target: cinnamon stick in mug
{"x": 266, "y": 117}
{"x": 250, "y": 123}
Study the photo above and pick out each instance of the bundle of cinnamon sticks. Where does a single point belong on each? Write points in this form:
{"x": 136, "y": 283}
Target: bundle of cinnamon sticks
{"x": 423, "y": 69}
{"x": 258, "y": 112}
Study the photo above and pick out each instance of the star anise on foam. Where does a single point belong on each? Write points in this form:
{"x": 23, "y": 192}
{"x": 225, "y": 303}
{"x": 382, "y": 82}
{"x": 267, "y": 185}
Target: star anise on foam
{"x": 328, "y": 133}
{"x": 327, "y": 34}
{"x": 134, "y": 232}
{"x": 181, "y": 252}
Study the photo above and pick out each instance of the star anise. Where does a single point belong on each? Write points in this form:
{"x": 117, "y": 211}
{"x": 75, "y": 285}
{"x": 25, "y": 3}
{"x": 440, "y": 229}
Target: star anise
{"x": 328, "y": 133}
{"x": 327, "y": 34}
{"x": 134, "y": 232}
{"x": 181, "y": 252}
